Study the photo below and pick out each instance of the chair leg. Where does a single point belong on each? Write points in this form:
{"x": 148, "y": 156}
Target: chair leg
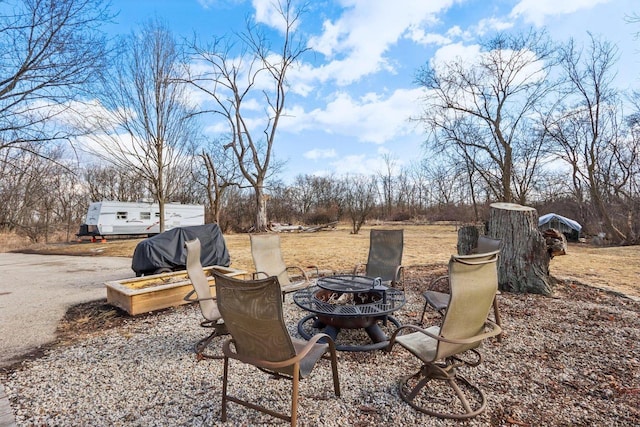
{"x": 334, "y": 370}
{"x": 496, "y": 314}
{"x": 408, "y": 392}
{"x": 424, "y": 311}
{"x": 225, "y": 379}
{"x": 200, "y": 347}
{"x": 294, "y": 395}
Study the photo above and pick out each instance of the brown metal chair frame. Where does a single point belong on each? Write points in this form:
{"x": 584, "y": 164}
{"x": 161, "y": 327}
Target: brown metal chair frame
{"x": 252, "y": 309}
{"x": 205, "y": 299}
{"x": 462, "y": 330}
{"x": 385, "y": 257}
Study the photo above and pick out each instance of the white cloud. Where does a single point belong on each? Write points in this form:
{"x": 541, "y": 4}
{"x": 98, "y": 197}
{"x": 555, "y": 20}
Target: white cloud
{"x": 419, "y": 36}
{"x": 490, "y": 25}
{"x": 370, "y": 118}
{"x": 535, "y": 11}
{"x": 267, "y": 13}
{"x": 455, "y": 52}
{"x": 358, "y": 164}
{"x": 317, "y": 154}
{"x": 210, "y": 4}
{"x": 357, "y": 41}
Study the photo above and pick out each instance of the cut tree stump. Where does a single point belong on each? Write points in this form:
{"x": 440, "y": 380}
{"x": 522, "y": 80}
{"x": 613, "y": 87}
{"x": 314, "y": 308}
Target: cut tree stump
{"x": 523, "y": 265}
{"x": 467, "y": 239}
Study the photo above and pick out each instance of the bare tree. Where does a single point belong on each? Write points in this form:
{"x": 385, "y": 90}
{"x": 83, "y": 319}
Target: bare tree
{"x": 590, "y": 135}
{"x": 38, "y": 194}
{"x": 386, "y": 177}
{"x": 51, "y": 51}
{"x": 359, "y": 199}
{"x": 235, "y": 80}
{"x": 146, "y": 123}
{"x": 111, "y": 183}
{"x": 481, "y": 108}
{"x": 219, "y": 173}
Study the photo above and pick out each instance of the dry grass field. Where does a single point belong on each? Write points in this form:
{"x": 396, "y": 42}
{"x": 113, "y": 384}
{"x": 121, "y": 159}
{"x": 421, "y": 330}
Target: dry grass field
{"x": 612, "y": 268}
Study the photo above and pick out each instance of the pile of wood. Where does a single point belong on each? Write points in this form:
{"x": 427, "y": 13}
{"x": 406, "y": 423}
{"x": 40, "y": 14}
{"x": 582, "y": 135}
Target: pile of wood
{"x": 288, "y": 228}
{"x": 556, "y": 242}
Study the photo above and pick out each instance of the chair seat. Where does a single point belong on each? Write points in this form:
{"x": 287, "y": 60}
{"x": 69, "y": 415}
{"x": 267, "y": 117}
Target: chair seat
{"x": 438, "y": 300}
{"x": 420, "y": 345}
{"x": 211, "y": 312}
{"x": 309, "y": 361}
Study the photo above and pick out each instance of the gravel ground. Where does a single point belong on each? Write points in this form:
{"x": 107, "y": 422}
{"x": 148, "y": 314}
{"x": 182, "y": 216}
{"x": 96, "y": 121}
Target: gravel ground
{"x": 569, "y": 360}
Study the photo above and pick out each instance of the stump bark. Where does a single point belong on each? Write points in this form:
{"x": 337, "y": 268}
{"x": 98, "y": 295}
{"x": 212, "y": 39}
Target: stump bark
{"x": 523, "y": 265}
{"x": 467, "y": 239}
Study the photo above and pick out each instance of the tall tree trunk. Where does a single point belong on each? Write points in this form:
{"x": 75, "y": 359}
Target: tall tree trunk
{"x": 161, "y": 219}
{"x": 261, "y": 210}
{"x": 523, "y": 265}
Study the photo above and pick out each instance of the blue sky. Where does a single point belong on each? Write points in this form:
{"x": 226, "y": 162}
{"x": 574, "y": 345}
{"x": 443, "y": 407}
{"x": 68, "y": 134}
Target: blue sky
{"x": 359, "y": 89}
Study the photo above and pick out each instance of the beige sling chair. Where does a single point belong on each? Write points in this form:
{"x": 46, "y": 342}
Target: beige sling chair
{"x": 385, "y": 257}
{"x": 438, "y": 388}
{"x": 268, "y": 261}
{"x": 439, "y": 300}
{"x": 252, "y": 310}
{"x": 205, "y": 298}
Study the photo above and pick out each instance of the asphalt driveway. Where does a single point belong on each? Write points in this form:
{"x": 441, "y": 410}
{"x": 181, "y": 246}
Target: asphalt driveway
{"x": 37, "y": 290}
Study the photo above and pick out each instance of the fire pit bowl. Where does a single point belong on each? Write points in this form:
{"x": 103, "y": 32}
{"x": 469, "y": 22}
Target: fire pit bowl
{"x": 349, "y": 302}
{"x": 343, "y": 319}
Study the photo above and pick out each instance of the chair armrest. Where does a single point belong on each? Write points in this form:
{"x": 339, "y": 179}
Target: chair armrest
{"x": 189, "y": 296}
{"x": 495, "y": 330}
{"x": 300, "y": 270}
{"x": 438, "y": 280}
{"x": 256, "y": 274}
{"x": 399, "y": 275}
{"x": 230, "y": 352}
{"x": 314, "y": 267}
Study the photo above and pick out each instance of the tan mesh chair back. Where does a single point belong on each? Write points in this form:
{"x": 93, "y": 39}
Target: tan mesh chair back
{"x": 268, "y": 261}
{"x": 267, "y": 257}
{"x": 385, "y": 255}
{"x": 205, "y": 296}
{"x": 199, "y": 281}
{"x": 473, "y": 281}
{"x": 252, "y": 311}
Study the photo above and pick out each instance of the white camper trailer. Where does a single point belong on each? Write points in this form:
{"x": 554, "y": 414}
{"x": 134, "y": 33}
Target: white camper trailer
{"x": 110, "y": 218}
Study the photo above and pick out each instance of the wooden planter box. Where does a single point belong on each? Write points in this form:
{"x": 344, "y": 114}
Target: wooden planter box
{"x": 158, "y": 291}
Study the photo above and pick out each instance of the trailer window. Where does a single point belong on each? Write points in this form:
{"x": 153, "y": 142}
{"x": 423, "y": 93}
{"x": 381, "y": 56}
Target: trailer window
{"x": 121, "y": 215}
{"x": 145, "y": 215}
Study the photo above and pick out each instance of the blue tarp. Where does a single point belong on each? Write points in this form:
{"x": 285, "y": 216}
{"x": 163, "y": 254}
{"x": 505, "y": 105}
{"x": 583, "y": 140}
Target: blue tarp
{"x": 566, "y": 221}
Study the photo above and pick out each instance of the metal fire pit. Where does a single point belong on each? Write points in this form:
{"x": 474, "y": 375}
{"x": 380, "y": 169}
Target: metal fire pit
{"x": 349, "y": 302}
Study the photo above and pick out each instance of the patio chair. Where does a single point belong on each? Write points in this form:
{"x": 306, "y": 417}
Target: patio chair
{"x": 474, "y": 281}
{"x": 205, "y": 298}
{"x": 439, "y": 300}
{"x": 268, "y": 261}
{"x": 252, "y": 310}
{"x": 385, "y": 257}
